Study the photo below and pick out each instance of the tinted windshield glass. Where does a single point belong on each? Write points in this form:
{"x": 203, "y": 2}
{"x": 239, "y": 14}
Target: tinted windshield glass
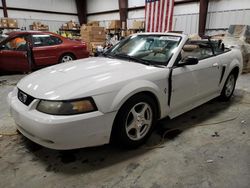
{"x": 153, "y": 49}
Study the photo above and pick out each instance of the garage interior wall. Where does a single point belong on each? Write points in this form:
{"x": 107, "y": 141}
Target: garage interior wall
{"x": 221, "y": 14}
{"x": 107, "y": 5}
{"x": 26, "y": 18}
{"x": 110, "y": 5}
{"x": 1, "y": 10}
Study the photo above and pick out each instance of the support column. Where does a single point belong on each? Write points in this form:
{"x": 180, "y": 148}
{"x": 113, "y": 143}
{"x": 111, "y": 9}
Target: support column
{"x": 81, "y": 6}
{"x": 203, "y": 17}
{"x": 123, "y": 8}
{"x": 5, "y": 13}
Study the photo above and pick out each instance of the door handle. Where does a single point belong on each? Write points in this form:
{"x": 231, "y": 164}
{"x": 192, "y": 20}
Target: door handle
{"x": 215, "y": 65}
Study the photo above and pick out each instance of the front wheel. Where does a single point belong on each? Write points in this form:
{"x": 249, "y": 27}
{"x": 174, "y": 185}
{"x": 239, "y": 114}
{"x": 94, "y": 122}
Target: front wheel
{"x": 228, "y": 88}
{"x": 135, "y": 121}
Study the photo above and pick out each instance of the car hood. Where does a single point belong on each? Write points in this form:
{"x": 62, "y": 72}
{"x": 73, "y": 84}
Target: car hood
{"x": 83, "y": 78}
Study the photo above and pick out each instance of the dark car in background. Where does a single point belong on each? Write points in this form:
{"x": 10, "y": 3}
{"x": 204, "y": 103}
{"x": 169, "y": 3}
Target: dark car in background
{"x": 46, "y": 48}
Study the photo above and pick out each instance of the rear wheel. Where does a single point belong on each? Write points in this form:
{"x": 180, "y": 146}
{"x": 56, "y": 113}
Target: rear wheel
{"x": 135, "y": 121}
{"x": 228, "y": 88}
{"x": 66, "y": 58}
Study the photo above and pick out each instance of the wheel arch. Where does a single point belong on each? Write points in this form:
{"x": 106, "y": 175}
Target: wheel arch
{"x": 235, "y": 71}
{"x": 146, "y": 91}
{"x": 139, "y": 87}
{"x": 66, "y": 53}
{"x": 236, "y": 67}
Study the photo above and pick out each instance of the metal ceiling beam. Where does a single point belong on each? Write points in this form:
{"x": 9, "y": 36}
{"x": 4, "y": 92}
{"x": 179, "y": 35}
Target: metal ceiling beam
{"x": 203, "y": 17}
{"x": 81, "y": 6}
{"x": 5, "y": 12}
{"x": 177, "y": 2}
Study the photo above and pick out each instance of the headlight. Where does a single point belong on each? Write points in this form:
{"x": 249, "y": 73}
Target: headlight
{"x": 67, "y": 107}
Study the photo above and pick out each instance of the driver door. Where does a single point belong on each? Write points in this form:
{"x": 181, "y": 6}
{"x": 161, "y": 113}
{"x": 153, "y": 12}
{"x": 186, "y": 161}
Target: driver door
{"x": 14, "y": 57}
{"x": 193, "y": 85}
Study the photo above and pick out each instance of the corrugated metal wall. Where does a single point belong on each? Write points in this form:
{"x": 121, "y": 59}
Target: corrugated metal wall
{"x": 186, "y": 18}
{"x": 138, "y": 15}
{"x": 221, "y": 14}
{"x": 1, "y": 11}
{"x": 53, "y": 20}
{"x": 113, "y": 5}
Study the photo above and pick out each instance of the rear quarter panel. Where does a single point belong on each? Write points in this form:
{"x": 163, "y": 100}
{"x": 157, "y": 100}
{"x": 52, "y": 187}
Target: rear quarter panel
{"x": 231, "y": 60}
{"x": 77, "y": 48}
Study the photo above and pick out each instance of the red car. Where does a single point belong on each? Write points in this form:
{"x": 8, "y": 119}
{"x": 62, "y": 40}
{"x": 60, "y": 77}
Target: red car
{"x": 45, "y": 48}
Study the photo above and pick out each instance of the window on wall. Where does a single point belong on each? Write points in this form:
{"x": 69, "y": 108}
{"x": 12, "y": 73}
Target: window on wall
{"x": 45, "y": 40}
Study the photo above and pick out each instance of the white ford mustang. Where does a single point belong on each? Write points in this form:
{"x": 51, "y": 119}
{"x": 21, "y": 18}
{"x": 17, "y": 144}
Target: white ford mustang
{"x": 121, "y": 95}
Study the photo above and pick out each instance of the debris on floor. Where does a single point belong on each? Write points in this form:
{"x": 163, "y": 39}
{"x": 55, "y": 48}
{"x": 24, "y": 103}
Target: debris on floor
{"x": 215, "y": 134}
{"x": 210, "y": 161}
{"x": 6, "y": 83}
{"x": 243, "y": 122}
{"x": 3, "y": 82}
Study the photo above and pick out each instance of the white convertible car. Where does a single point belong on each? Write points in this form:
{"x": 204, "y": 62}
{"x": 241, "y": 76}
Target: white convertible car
{"x": 120, "y": 96}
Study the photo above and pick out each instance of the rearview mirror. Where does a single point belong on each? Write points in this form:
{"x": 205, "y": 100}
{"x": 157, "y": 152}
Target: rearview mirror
{"x": 189, "y": 61}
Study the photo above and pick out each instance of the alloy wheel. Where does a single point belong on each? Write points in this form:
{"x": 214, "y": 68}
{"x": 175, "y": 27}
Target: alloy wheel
{"x": 139, "y": 121}
{"x": 230, "y": 85}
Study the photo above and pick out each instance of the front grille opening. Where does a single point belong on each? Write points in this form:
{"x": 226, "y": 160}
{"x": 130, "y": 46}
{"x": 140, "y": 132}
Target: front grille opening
{"x": 24, "y": 97}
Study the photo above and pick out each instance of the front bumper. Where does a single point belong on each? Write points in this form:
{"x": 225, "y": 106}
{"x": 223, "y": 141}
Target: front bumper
{"x": 61, "y": 132}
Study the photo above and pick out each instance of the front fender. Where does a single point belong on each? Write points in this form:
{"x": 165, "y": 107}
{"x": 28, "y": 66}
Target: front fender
{"x": 140, "y": 86}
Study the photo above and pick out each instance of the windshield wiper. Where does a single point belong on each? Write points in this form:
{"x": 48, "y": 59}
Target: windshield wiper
{"x": 132, "y": 58}
{"x": 107, "y": 55}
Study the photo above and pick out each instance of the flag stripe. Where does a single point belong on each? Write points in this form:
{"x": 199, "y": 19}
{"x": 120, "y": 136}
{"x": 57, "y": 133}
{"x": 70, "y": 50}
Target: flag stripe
{"x": 146, "y": 17}
{"x": 149, "y": 17}
{"x": 162, "y": 13}
{"x": 166, "y": 19}
{"x": 153, "y": 20}
{"x": 171, "y": 16}
{"x": 159, "y": 15}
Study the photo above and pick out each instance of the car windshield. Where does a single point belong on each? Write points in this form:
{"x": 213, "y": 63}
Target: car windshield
{"x": 146, "y": 49}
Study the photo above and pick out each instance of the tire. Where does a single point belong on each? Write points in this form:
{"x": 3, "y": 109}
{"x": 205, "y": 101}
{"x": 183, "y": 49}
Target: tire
{"x": 228, "y": 88}
{"x": 67, "y": 58}
{"x": 135, "y": 121}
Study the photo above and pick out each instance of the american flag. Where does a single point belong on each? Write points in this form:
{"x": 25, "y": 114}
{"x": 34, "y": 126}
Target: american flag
{"x": 159, "y": 15}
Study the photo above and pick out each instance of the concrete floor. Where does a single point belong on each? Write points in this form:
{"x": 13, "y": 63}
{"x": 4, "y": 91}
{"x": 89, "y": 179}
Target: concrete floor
{"x": 209, "y": 147}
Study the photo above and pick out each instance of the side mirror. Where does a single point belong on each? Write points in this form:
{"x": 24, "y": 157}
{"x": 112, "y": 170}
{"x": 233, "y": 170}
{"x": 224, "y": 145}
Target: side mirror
{"x": 189, "y": 61}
